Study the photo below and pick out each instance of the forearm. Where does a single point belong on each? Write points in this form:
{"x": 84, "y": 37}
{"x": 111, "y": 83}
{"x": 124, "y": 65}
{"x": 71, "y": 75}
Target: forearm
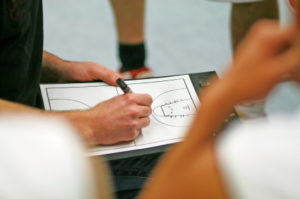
{"x": 217, "y": 102}
{"x": 52, "y": 71}
{"x": 190, "y": 170}
{"x": 78, "y": 119}
{"x": 7, "y": 106}
{"x": 193, "y": 162}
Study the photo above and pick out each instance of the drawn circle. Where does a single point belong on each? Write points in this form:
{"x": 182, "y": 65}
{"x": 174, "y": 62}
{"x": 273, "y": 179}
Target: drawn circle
{"x": 174, "y": 108}
{"x": 67, "y": 105}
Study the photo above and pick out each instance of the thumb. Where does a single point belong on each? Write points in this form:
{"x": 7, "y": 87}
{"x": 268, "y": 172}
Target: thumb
{"x": 288, "y": 62}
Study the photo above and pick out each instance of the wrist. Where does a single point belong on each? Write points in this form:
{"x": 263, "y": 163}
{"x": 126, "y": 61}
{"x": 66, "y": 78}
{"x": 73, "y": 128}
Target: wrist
{"x": 65, "y": 71}
{"x": 216, "y": 104}
{"x": 221, "y": 93}
{"x": 81, "y": 121}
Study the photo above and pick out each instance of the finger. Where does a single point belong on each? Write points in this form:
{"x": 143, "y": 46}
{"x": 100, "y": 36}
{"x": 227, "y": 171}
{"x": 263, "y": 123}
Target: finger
{"x": 139, "y": 131}
{"x": 270, "y": 36}
{"x": 296, "y": 75}
{"x": 142, "y": 99}
{"x": 259, "y": 29}
{"x": 143, "y": 122}
{"x": 287, "y": 62}
{"x": 269, "y": 30}
{"x": 279, "y": 36}
{"x": 144, "y": 111}
{"x": 107, "y": 75}
{"x": 132, "y": 135}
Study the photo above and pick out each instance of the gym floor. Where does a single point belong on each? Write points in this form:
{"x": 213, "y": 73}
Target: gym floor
{"x": 181, "y": 36}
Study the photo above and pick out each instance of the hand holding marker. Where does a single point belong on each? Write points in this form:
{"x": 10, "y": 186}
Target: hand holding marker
{"x": 125, "y": 88}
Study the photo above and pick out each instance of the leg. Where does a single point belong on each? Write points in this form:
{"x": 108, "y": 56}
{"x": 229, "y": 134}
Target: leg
{"x": 243, "y": 16}
{"x": 129, "y": 18}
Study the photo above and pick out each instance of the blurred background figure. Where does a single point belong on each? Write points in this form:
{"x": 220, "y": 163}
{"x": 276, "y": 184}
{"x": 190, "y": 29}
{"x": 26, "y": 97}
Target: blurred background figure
{"x": 45, "y": 158}
{"x": 259, "y": 159}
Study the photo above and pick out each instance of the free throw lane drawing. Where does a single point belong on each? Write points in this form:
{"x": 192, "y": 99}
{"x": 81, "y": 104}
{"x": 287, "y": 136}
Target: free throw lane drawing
{"x": 173, "y": 107}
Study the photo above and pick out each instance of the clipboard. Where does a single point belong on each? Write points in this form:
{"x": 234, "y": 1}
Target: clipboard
{"x": 197, "y": 81}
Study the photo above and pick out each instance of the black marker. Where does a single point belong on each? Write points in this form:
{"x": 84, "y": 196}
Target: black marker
{"x": 125, "y": 88}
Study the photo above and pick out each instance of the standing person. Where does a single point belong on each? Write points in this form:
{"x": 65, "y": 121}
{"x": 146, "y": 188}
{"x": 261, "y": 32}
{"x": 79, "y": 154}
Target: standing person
{"x": 256, "y": 161}
{"x": 129, "y": 19}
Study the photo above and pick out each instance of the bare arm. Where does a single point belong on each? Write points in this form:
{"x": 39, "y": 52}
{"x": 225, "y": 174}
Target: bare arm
{"x": 128, "y": 113}
{"x": 7, "y": 106}
{"x": 52, "y": 69}
{"x": 56, "y": 70}
{"x": 190, "y": 170}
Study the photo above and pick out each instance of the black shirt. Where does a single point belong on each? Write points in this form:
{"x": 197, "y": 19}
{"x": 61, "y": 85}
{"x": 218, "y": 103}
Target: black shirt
{"x": 21, "y": 48}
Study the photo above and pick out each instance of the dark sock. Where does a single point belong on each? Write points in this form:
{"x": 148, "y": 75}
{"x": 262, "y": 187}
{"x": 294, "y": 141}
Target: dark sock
{"x": 132, "y": 56}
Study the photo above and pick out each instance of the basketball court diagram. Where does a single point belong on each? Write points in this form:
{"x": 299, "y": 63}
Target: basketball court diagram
{"x": 174, "y": 106}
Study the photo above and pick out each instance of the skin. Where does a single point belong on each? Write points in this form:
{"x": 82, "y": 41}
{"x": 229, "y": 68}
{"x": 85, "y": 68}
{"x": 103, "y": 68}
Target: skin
{"x": 293, "y": 3}
{"x": 58, "y": 70}
{"x": 116, "y": 120}
{"x": 268, "y": 54}
{"x": 129, "y": 18}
